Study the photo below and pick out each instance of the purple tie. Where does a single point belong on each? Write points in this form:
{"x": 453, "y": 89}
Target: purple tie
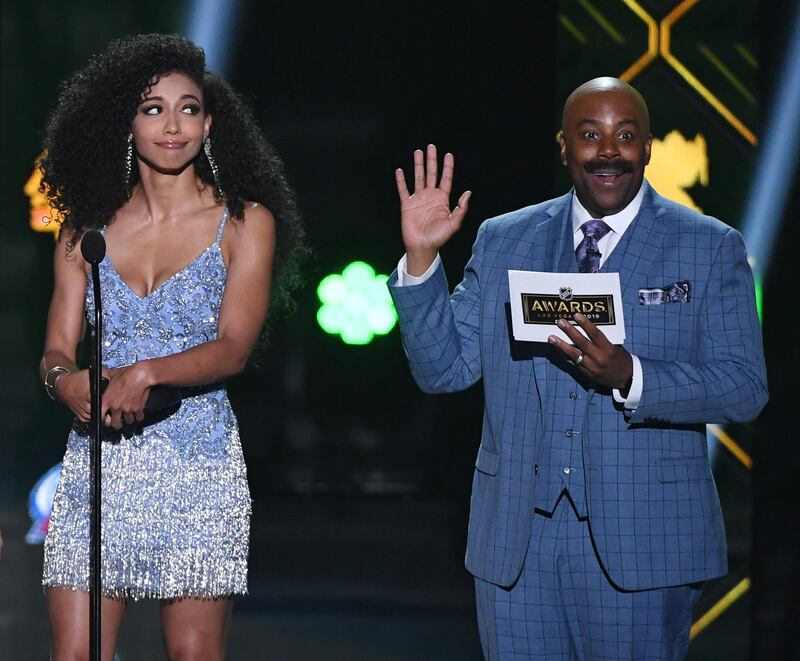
{"x": 586, "y": 253}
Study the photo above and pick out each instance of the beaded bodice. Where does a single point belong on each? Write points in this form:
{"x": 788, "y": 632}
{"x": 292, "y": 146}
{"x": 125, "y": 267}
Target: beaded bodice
{"x": 181, "y": 313}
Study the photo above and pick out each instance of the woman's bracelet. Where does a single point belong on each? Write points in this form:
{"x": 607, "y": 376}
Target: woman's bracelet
{"x": 51, "y": 379}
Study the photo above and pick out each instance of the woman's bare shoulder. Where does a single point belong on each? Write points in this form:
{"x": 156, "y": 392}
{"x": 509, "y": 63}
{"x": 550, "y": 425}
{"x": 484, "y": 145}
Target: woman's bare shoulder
{"x": 258, "y": 223}
{"x": 258, "y": 212}
{"x": 68, "y": 248}
{"x": 253, "y": 236}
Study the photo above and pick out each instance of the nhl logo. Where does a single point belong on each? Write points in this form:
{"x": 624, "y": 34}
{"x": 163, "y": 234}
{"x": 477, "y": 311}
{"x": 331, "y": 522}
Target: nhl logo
{"x": 565, "y": 293}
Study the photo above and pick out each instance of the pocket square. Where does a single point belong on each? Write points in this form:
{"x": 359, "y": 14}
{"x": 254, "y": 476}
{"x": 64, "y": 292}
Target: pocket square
{"x": 677, "y": 292}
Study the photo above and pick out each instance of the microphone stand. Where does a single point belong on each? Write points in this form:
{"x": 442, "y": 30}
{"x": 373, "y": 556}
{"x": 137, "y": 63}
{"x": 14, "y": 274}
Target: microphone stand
{"x": 93, "y": 248}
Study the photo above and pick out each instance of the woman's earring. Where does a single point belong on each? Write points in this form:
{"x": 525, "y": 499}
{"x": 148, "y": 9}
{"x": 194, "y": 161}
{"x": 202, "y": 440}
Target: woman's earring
{"x": 129, "y": 165}
{"x": 212, "y": 163}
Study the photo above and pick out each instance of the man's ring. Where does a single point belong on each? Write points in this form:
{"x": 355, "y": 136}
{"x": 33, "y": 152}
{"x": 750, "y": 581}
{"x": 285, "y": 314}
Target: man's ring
{"x": 579, "y": 359}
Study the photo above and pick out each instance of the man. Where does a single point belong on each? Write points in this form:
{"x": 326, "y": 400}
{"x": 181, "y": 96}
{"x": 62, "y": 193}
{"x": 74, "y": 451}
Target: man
{"x": 594, "y": 517}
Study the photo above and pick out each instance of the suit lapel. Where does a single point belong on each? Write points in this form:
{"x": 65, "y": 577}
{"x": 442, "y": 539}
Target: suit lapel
{"x": 552, "y": 237}
{"x": 551, "y": 245}
{"x": 639, "y": 247}
{"x": 565, "y": 252}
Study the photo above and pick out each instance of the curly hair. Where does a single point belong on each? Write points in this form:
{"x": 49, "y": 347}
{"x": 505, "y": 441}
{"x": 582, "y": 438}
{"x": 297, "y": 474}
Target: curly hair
{"x": 86, "y": 141}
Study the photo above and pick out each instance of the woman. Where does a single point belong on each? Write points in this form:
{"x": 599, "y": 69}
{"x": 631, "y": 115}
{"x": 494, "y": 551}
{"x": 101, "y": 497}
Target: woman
{"x": 163, "y": 158}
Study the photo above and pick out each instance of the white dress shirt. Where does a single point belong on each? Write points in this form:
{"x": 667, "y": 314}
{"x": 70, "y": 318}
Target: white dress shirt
{"x": 618, "y": 222}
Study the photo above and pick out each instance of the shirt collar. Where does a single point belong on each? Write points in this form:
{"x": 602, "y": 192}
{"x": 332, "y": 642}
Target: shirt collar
{"x": 618, "y": 222}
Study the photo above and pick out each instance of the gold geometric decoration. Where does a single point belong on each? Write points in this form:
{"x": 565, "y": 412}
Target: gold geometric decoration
{"x": 659, "y": 42}
{"x": 677, "y": 164}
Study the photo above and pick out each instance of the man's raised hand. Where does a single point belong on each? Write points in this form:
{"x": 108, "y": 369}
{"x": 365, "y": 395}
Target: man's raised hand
{"x": 426, "y": 221}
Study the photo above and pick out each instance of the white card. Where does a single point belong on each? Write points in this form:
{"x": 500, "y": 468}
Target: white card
{"x": 539, "y": 299}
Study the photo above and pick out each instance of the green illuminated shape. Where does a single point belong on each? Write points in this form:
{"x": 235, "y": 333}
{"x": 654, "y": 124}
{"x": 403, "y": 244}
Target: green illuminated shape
{"x": 759, "y": 299}
{"x": 355, "y": 304}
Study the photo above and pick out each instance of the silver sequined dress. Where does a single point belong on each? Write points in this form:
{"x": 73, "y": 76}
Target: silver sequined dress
{"x": 176, "y": 505}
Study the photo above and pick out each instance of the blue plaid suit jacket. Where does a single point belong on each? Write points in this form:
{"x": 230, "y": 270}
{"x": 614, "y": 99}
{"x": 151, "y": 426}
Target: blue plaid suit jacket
{"x": 652, "y": 503}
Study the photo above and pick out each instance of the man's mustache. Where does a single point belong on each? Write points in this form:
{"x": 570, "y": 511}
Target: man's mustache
{"x": 611, "y": 167}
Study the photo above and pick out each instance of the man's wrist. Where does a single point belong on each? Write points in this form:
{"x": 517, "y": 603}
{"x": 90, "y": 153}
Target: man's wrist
{"x": 631, "y": 392}
{"x": 625, "y": 387}
{"x": 418, "y": 262}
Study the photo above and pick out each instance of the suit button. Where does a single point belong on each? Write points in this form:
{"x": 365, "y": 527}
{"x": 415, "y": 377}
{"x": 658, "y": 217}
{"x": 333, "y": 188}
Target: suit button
{"x": 567, "y": 470}
{"x": 536, "y": 469}
{"x": 573, "y": 395}
{"x": 569, "y": 433}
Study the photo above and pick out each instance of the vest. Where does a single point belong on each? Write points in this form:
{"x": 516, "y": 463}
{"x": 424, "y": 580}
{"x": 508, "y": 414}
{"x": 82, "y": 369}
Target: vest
{"x": 560, "y": 461}
{"x": 565, "y": 401}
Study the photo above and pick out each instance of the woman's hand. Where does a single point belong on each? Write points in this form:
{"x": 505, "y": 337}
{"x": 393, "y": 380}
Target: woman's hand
{"x": 73, "y": 390}
{"x": 126, "y": 394}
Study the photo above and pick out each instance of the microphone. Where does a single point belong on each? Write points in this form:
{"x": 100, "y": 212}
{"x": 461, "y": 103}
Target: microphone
{"x": 164, "y": 400}
{"x": 93, "y": 247}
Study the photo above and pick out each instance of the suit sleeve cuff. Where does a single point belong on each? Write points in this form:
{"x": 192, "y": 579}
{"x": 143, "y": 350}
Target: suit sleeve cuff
{"x": 631, "y": 402}
{"x": 406, "y": 280}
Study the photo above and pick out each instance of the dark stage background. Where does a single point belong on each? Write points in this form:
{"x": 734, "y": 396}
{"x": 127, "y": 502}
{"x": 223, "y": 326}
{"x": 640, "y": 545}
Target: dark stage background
{"x": 361, "y": 482}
